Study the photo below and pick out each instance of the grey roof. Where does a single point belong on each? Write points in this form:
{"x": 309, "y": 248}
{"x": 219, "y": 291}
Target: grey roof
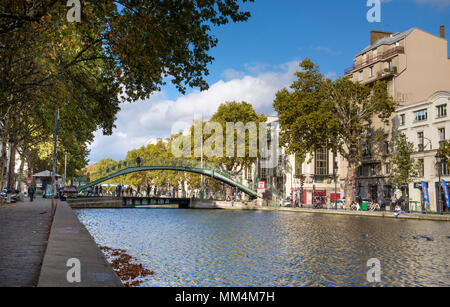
{"x": 387, "y": 40}
{"x": 45, "y": 174}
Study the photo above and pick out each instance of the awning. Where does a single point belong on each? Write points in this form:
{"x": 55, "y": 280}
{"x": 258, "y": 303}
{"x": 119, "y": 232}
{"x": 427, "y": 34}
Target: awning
{"x": 47, "y": 174}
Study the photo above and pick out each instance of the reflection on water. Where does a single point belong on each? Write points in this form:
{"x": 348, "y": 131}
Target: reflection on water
{"x": 239, "y": 248}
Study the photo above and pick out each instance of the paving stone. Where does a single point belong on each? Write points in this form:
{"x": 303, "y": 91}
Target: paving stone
{"x": 23, "y": 238}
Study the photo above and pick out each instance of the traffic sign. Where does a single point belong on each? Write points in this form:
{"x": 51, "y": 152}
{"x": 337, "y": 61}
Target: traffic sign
{"x": 261, "y": 185}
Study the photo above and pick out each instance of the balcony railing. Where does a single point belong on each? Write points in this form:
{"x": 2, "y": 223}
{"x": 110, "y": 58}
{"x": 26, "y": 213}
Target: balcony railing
{"x": 371, "y": 59}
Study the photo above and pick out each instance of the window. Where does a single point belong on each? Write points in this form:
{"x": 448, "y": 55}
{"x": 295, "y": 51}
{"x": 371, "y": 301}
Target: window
{"x": 375, "y": 53}
{"x": 389, "y": 65}
{"x": 321, "y": 162}
{"x": 373, "y": 170}
{"x": 402, "y": 119}
{"x": 442, "y": 111}
{"x": 421, "y": 115}
{"x": 420, "y": 139}
{"x": 445, "y": 170}
{"x": 361, "y": 76}
{"x": 262, "y": 172}
{"x": 248, "y": 173}
{"x": 386, "y": 148}
{"x": 371, "y": 71}
{"x": 360, "y": 171}
{"x": 441, "y": 132}
{"x": 388, "y": 169}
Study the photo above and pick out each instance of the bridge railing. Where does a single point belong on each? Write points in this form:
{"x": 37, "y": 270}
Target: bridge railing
{"x": 114, "y": 169}
{"x": 184, "y": 163}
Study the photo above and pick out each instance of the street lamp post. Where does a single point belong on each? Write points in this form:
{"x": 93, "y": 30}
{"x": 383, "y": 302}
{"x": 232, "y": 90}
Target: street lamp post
{"x": 335, "y": 169}
{"x": 55, "y": 152}
{"x": 438, "y": 164}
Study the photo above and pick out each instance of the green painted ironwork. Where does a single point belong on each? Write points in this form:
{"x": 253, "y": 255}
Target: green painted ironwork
{"x": 192, "y": 166}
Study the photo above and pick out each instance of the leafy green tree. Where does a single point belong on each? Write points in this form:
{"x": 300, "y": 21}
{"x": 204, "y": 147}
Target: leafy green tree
{"x": 121, "y": 50}
{"x": 237, "y": 112}
{"x": 404, "y": 169}
{"x": 444, "y": 152}
{"x": 318, "y": 113}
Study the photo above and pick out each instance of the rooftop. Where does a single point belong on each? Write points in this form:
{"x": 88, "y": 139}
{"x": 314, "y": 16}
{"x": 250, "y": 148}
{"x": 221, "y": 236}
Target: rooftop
{"x": 387, "y": 40}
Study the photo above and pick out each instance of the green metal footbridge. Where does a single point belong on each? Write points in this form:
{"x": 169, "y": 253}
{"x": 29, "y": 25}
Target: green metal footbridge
{"x": 191, "y": 166}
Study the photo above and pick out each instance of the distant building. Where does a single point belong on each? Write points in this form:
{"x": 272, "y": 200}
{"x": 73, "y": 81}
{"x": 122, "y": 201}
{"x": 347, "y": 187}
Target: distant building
{"x": 310, "y": 180}
{"x": 427, "y": 125}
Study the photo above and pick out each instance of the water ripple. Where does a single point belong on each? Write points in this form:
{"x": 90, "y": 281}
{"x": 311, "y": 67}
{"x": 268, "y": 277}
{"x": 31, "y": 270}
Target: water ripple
{"x": 234, "y": 248}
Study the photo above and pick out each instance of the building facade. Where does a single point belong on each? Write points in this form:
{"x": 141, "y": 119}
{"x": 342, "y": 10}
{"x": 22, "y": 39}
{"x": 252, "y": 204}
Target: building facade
{"x": 415, "y": 65}
{"x": 427, "y": 124}
{"x": 314, "y": 179}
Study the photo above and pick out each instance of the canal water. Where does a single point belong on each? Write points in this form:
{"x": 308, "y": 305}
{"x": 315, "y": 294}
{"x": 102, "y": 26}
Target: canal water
{"x": 247, "y": 248}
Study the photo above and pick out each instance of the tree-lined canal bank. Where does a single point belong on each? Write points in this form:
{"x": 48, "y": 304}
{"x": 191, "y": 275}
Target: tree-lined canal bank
{"x": 267, "y": 248}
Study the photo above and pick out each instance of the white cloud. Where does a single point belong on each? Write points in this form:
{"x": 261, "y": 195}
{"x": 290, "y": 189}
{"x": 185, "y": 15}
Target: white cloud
{"x": 141, "y": 122}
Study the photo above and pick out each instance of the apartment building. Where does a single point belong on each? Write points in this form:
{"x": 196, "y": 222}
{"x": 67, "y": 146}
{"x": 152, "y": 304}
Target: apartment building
{"x": 427, "y": 124}
{"x": 415, "y": 65}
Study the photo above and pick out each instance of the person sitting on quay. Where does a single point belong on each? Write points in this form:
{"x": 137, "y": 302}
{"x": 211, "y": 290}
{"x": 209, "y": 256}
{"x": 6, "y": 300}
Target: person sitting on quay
{"x": 398, "y": 210}
{"x": 355, "y": 206}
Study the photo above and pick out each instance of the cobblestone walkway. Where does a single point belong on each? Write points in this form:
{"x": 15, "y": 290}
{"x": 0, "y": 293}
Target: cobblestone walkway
{"x": 23, "y": 237}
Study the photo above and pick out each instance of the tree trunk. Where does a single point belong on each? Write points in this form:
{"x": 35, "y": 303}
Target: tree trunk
{"x": 3, "y": 160}
{"x": 350, "y": 184}
{"x": 12, "y": 165}
{"x": 22, "y": 165}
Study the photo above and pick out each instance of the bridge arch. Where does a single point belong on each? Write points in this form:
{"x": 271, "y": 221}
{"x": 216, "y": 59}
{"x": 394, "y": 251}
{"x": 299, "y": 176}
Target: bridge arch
{"x": 213, "y": 173}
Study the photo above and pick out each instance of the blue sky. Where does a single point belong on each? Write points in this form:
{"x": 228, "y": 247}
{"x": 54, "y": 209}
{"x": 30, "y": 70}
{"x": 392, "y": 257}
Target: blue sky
{"x": 256, "y": 58}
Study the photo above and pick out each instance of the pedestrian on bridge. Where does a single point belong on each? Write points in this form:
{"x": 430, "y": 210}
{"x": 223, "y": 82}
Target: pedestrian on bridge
{"x": 148, "y": 190}
{"x": 138, "y": 192}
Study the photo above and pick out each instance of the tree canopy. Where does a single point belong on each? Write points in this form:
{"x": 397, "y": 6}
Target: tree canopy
{"x": 318, "y": 113}
{"x": 120, "y": 51}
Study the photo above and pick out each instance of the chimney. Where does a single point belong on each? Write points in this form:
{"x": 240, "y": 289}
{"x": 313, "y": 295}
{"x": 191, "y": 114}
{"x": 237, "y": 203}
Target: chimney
{"x": 443, "y": 31}
{"x": 375, "y": 36}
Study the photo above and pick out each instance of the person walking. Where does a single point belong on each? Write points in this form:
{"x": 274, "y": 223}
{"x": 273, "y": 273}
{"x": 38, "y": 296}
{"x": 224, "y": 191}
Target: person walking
{"x": 100, "y": 191}
{"x": 138, "y": 191}
{"x": 31, "y": 192}
{"x": 148, "y": 190}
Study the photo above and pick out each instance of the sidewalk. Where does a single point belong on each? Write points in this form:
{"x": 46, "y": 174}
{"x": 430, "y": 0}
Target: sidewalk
{"x": 378, "y": 214}
{"x": 24, "y": 230}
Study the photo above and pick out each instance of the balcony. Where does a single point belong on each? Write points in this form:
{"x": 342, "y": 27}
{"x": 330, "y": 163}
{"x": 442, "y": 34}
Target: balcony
{"x": 370, "y": 60}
